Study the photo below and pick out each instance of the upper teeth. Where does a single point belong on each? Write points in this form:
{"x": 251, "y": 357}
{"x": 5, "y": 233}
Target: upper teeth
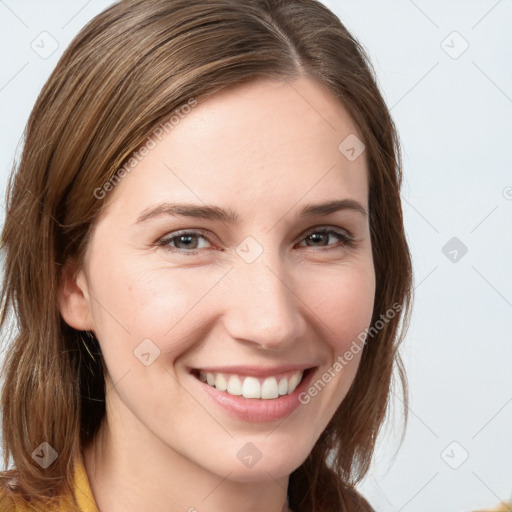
{"x": 251, "y": 387}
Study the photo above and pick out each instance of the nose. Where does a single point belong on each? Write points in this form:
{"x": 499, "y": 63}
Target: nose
{"x": 263, "y": 308}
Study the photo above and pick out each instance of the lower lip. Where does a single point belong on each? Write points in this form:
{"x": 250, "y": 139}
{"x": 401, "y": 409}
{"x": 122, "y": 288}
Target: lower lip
{"x": 257, "y": 409}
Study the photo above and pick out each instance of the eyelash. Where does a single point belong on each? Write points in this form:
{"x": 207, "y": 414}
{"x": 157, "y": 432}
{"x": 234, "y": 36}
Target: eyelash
{"x": 347, "y": 240}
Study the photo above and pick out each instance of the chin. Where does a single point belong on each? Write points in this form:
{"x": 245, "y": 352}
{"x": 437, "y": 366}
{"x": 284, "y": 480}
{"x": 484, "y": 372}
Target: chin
{"x": 263, "y": 472}
{"x": 262, "y": 459}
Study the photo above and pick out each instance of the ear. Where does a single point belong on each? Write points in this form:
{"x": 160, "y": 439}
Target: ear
{"x": 74, "y": 300}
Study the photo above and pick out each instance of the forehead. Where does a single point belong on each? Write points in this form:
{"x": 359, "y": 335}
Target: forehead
{"x": 267, "y": 142}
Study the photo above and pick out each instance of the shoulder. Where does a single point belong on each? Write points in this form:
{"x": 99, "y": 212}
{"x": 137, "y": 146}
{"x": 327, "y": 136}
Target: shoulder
{"x": 12, "y": 501}
{"x": 503, "y": 507}
{"x": 81, "y": 499}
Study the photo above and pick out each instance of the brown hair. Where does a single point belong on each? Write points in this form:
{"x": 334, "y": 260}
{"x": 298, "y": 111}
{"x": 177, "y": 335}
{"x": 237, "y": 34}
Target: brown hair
{"x": 125, "y": 73}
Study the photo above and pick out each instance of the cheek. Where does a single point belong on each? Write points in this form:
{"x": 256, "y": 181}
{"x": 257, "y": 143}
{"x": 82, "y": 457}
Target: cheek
{"x": 343, "y": 301}
{"x": 135, "y": 303}
{"x": 344, "y": 304}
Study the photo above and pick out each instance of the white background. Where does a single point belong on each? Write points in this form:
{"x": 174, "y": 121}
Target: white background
{"x": 454, "y": 118}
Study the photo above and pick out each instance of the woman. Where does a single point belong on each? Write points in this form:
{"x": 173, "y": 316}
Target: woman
{"x": 205, "y": 254}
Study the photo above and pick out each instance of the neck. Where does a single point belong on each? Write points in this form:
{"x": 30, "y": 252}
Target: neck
{"x": 130, "y": 469}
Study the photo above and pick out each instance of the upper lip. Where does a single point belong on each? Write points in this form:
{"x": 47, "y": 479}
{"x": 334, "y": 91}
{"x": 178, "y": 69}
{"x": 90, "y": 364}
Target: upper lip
{"x": 255, "y": 371}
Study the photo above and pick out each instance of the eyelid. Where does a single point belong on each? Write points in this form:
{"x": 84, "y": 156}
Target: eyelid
{"x": 162, "y": 241}
{"x": 329, "y": 227}
{"x": 347, "y": 239}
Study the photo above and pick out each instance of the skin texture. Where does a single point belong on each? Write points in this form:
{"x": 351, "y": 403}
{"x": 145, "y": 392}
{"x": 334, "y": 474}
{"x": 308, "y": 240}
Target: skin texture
{"x": 263, "y": 150}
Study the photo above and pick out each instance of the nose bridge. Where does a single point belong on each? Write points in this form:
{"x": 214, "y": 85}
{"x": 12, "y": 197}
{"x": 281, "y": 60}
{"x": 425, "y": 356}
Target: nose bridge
{"x": 263, "y": 306}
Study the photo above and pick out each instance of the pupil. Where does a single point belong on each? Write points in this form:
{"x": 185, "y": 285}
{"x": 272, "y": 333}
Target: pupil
{"x": 316, "y": 237}
{"x": 186, "y": 238}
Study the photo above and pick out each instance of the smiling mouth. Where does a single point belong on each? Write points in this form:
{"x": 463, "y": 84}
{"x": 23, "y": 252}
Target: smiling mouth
{"x": 247, "y": 386}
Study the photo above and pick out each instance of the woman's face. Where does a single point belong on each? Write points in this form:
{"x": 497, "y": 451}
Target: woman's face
{"x": 251, "y": 295}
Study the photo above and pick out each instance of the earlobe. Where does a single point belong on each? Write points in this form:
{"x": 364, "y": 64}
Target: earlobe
{"x": 74, "y": 303}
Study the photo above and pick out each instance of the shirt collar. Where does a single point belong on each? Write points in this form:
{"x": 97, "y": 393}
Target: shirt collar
{"x": 82, "y": 488}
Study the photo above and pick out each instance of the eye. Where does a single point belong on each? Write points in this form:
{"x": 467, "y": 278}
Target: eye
{"x": 188, "y": 242}
{"x": 184, "y": 242}
{"x": 320, "y": 238}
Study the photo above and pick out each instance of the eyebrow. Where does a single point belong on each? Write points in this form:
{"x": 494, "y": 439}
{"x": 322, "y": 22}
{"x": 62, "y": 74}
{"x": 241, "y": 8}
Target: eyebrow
{"x": 228, "y": 215}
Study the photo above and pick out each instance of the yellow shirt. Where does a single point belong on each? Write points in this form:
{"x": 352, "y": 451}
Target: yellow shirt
{"x": 82, "y": 490}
